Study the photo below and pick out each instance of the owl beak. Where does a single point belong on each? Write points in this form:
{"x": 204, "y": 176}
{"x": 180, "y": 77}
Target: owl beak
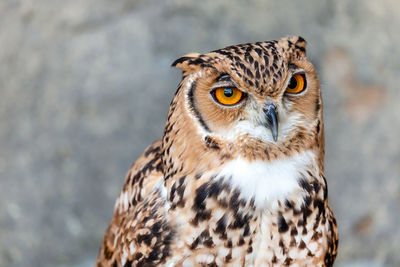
{"x": 272, "y": 120}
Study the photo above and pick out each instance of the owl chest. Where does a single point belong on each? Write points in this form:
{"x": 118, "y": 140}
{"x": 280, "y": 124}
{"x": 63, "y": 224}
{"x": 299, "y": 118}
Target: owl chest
{"x": 236, "y": 217}
{"x": 284, "y": 239}
{"x": 253, "y": 239}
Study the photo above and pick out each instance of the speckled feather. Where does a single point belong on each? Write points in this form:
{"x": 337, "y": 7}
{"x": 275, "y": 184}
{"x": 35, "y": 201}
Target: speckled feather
{"x": 217, "y": 190}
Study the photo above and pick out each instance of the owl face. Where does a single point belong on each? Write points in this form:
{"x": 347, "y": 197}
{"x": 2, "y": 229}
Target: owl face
{"x": 265, "y": 91}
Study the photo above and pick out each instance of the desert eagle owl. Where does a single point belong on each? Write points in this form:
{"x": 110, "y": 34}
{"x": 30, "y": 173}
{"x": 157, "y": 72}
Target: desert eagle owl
{"x": 238, "y": 177}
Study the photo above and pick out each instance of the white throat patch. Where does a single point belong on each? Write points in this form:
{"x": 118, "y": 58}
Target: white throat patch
{"x": 267, "y": 182}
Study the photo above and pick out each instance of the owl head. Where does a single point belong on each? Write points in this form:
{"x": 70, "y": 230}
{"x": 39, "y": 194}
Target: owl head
{"x": 261, "y": 99}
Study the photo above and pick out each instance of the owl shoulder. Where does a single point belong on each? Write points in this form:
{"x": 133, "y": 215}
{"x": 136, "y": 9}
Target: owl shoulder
{"x": 139, "y": 228}
{"x": 333, "y": 238}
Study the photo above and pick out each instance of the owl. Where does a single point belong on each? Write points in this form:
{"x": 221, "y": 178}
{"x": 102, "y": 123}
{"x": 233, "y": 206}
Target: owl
{"x": 238, "y": 177}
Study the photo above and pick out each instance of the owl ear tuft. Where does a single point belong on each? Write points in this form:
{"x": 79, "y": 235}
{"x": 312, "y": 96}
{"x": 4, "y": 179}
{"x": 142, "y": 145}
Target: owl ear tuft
{"x": 299, "y": 44}
{"x": 187, "y": 62}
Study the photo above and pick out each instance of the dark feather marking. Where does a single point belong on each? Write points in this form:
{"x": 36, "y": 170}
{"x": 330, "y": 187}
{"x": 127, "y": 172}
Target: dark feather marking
{"x": 307, "y": 202}
{"x": 301, "y": 48}
{"x": 211, "y": 143}
{"x": 195, "y": 110}
{"x": 201, "y": 195}
{"x": 282, "y": 225}
{"x": 317, "y": 105}
{"x": 294, "y": 232}
{"x": 221, "y": 226}
{"x": 196, "y": 61}
{"x": 288, "y": 204}
{"x": 180, "y": 60}
{"x": 305, "y": 185}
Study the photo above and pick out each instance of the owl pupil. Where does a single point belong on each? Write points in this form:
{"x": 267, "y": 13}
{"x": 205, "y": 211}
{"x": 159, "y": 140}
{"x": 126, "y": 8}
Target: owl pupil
{"x": 228, "y": 92}
{"x": 292, "y": 83}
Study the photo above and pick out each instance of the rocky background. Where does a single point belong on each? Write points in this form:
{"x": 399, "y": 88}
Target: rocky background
{"x": 85, "y": 87}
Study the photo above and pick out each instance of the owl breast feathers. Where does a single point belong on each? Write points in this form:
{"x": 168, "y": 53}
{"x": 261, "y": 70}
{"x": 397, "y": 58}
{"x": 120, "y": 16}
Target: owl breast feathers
{"x": 238, "y": 177}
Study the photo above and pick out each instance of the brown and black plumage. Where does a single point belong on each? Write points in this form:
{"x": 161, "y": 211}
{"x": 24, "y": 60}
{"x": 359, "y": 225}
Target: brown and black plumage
{"x": 238, "y": 177}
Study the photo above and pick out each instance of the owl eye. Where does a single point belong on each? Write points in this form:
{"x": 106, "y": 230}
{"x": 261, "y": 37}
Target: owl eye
{"x": 297, "y": 84}
{"x": 227, "y": 96}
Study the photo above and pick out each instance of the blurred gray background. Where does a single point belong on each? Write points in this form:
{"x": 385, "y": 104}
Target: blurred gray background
{"x": 85, "y": 86}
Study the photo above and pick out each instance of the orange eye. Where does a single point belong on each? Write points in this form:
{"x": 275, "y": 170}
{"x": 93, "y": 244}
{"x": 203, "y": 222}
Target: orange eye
{"x": 227, "y": 96}
{"x": 296, "y": 84}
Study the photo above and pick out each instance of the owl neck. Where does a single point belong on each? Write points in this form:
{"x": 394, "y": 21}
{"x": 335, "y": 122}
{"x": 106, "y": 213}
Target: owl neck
{"x": 273, "y": 185}
{"x": 242, "y": 190}
{"x": 270, "y": 183}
